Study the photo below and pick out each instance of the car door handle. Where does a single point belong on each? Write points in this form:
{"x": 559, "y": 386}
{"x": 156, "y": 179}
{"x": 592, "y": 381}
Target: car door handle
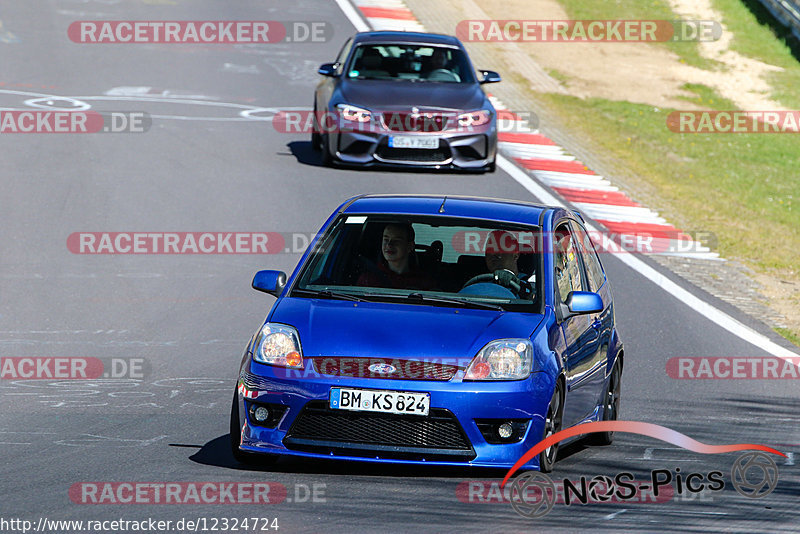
{"x": 596, "y": 324}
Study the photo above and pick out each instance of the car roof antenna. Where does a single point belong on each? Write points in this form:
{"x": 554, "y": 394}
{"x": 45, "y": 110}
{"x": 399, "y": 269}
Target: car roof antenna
{"x": 441, "y": 208}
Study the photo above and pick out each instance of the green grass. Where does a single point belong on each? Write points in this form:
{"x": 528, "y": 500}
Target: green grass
{"x": 558, "y": 75}
{"x": 788, "y": 334}
{"x": 760, "y": 41}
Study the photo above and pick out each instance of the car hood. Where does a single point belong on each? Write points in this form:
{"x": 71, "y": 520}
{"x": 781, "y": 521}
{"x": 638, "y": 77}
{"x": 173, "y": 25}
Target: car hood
{"x": 388, "y": 330}
{"x": 400, "y": 95}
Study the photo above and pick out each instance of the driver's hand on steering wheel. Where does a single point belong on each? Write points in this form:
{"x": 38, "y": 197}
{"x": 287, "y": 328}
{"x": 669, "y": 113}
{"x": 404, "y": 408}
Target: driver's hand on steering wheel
{"x": 509, "y": 280}
{"x": 504, "y": 277}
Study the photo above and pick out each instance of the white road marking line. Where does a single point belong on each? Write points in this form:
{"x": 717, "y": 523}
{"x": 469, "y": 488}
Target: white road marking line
{"x": 615, "y": 514}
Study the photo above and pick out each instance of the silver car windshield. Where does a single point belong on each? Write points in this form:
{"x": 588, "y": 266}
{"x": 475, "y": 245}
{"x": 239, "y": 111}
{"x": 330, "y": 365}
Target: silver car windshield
{"x": 421, "y": 63}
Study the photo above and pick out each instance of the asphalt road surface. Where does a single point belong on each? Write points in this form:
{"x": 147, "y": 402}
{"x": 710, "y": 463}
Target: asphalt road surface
{"x": 204, "y": 165}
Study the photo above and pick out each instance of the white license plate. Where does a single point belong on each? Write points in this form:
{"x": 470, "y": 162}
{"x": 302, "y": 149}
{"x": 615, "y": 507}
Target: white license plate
{"x": 371, "y": 400}
{"x": 399, "y": 141}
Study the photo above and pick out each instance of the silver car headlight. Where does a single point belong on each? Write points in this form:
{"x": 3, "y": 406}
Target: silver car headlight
{"x": 474, "y": 118}
{"x": 354, "y": 113}
{"x": 278, "y": 344}
{"x": 503, "y": 359}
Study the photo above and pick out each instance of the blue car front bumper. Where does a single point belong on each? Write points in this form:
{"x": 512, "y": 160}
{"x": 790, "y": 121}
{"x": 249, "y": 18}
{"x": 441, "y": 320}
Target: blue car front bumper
{"x": 450, "y": 435}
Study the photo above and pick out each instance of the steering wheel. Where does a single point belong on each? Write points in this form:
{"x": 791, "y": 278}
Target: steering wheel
{"x": 503, "y": 277}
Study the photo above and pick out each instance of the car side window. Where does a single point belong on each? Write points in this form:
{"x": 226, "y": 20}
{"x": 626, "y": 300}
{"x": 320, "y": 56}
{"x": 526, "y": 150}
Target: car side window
{"x": 567, "y": 266}
{"x": 594, "y": 270}
{"x": 343, "y": 53}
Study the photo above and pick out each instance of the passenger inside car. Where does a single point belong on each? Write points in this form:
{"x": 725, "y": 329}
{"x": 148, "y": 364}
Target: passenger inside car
{"x": 397, "y": 265}
{"x": 440, "y": 70}
{"x": 370, "y": 64}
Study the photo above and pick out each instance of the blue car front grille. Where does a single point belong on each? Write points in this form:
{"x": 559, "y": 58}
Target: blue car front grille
{"x": 319, "y": 428}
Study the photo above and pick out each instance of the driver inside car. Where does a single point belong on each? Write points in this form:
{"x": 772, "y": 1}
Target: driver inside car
{"x": 501, "y": 253}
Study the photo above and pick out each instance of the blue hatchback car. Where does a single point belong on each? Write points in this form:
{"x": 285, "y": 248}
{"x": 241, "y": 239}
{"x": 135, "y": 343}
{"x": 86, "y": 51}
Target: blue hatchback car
{"x": 431, "y": 330}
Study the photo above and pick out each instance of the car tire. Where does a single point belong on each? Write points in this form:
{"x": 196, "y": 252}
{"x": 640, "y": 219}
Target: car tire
{"x": 327, "y": 159}
{"x": 552, "y": 424}
{"x": 611, "y": 402}
{"x": 316, "y": 137}
{"x": 239, "y": 455}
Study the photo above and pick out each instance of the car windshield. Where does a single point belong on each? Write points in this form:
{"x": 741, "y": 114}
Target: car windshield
{"x": 436, "y": 261}
{"x": 423, "y": 63}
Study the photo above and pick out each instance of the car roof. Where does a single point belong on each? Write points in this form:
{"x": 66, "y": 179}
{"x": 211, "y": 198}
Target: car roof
{"x": 493, "y": 209}
{"x": 406, "y": 37}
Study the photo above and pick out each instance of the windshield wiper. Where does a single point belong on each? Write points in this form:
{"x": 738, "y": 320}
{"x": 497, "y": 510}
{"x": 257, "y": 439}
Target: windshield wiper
{"x": 460, "y": 302}
{"x": 329, "y": 294}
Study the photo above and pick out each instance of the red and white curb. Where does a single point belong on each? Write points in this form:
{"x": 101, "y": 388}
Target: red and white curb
{"x": 593, "y": 195}
{"x": 549, "y": 164}
{"x": 389, "y": 15}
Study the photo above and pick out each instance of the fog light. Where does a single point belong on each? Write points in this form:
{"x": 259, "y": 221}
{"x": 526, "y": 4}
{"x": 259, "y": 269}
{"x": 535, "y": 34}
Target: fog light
{"x": 261, "y": 414}
{"x": 505, "y": 431}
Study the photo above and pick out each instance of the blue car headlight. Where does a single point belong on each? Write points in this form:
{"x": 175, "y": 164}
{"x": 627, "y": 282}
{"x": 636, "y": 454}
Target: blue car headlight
{"x": 278, "y": 344}
{"x": 503, "y": 359}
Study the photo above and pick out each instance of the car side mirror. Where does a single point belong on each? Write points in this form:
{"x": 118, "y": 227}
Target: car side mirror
{"x": 271, "y": 282}
{"x": 583, "y": 302}
{"x": 327, "y": 69}
{"x": 490, "y": 76}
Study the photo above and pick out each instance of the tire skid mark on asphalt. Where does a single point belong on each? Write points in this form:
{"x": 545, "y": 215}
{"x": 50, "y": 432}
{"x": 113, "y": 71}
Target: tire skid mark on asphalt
{"x": 89, "y": 440}
{"x": 242, "y": 112}
{"x": 123, "y": 394}
{"x": 85, "y": 440}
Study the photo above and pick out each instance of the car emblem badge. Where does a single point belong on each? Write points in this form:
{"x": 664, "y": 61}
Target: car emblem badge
{"x": 382, "y": 368}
